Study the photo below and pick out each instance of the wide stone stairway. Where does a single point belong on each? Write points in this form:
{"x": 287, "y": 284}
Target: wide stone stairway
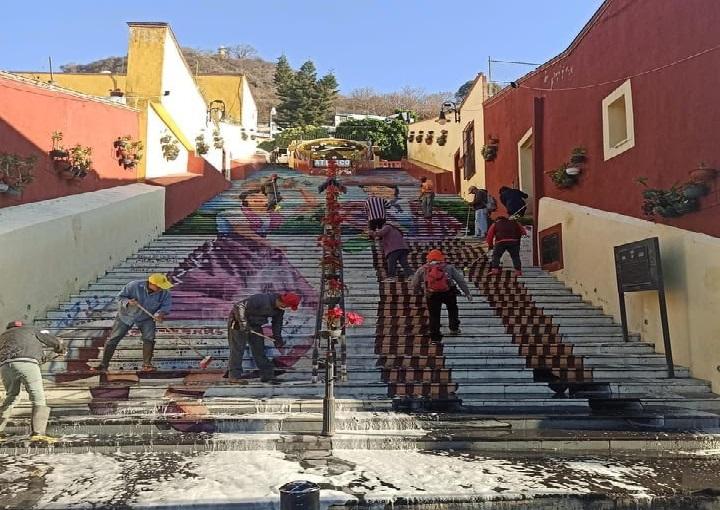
{"x": 533, "y": 362}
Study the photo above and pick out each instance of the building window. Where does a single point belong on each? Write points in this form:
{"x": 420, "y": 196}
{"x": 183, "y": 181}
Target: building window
{"x": 469, "y": 150}
{"x": 618, "y": 121}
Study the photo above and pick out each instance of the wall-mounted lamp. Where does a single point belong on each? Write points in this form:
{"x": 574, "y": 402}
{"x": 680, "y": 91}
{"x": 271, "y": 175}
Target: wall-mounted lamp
{"x": 448, "y": 107}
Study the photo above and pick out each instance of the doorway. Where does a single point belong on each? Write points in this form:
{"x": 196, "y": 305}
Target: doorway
{"x": 525, "y": 167}
{"x": 456, "y": 167}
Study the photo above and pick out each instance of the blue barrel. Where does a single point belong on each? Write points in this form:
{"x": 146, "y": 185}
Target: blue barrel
{"x": 300, "y": 495}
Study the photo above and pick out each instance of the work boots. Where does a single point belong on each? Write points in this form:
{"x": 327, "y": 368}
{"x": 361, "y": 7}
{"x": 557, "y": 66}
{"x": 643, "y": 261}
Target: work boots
{"x": 148, "y": 348}
{"x": 38, "y": 420}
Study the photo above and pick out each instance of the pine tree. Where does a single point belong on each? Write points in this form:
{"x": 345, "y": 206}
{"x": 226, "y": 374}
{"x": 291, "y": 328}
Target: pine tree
{"x": 304, "y": 100}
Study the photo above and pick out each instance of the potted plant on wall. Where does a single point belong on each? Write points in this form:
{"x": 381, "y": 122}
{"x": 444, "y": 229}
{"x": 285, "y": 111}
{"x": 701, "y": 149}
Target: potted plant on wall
{"x": 442, "y": 139}
{"x": 80, "y": 161}
{"x": 57, "y": 151}
{"x": 489, "y": 150}
{"x": 411, "y": 136}
{"x": 419, "y": 136}
{"x": 429, "y": 137}
{"x": 127, "y": 151}
{"x": 674, "y": 202}
{"x": 16, "y": 172}
{"x": 201, "y": 147}
{"x": 562, "y": 179}
{"x": 169, "y": 146}
{"x": 578, "y": 156}
{"x": 218, "y": 141}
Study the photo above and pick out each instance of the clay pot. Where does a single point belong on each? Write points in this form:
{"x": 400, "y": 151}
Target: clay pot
{"x": 702, "y": 174}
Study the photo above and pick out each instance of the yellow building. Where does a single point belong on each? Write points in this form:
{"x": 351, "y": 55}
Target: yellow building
{"x": 452, "y": 145}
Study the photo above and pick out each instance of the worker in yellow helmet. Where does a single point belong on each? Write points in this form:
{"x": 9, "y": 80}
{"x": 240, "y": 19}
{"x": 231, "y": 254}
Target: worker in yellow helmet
{"x": 142, "y": 304}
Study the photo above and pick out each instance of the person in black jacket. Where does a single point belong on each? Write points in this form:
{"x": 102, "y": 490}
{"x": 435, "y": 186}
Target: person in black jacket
{"x": 513, "y": 200}
{"x": 21, "y": 353}
{"x": 245, "y": 327}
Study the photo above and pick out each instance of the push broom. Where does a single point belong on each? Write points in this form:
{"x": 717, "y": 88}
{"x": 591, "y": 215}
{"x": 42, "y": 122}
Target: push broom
{"x": 204, "y": 362}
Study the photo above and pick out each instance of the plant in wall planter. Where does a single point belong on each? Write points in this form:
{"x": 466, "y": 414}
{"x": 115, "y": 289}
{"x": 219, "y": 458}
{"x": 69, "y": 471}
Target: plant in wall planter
{"x": 674, "y": 202}
{"x": 419, "y": 137}
{"x": 429, "y": 137}
{"x": 127, "y": 151}
{"x": 562, "y": 179}
{"x": 489, "y": 150}
{"x": 16, "y": 172}
{"x": 57, "y": 151}
{"x": 578, "y": 156}
{"x": 79, "y": 163}
{"x": 201, "y": 147}
{"x": 442, "y": 139}
{"x": 170, "y": 147}
{"x": 411, "y": 136}
{"x": 218, "y": 141}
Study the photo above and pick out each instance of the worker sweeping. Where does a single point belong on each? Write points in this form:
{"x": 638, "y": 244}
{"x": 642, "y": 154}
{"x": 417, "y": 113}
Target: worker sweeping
{"x": 153, "y": 296}
{"x": 245, "y": 327}
{"x": 21, "y": 354}
{"x": 270, "y": 190}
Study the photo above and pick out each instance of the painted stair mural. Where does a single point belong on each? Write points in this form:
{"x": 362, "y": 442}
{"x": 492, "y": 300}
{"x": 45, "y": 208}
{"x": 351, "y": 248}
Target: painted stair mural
{"x": 531, "y": 352}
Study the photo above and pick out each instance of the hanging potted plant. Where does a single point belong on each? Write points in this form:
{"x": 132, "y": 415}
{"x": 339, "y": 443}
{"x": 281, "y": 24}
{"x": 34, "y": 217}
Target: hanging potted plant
{"x": 57, "y": 151}
{"x": 703, "y": 173}
{"x": 16, "y": 172}
{"x": 669, "y": 203}
{"x": 489, "y": 150}
{"x": 442, "y": 139}
{"x": 578, "y": 156}
{"x": 411, "y": 136}
{"x": 419, "y": 136}
{"x": 169, "y": 146}
{"x": 201, "y": 147}
{"x": 218, "y": 141}
{"x": 429, "y": 137}
{"x": 127, "y": 151}
{"x": 562, "y": 179}
{"x": 79, "y": 159}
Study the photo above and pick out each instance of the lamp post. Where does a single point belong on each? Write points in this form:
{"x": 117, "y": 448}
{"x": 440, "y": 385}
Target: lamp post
{"x": 448, "y": 107}
{"x": 273, "y": 112}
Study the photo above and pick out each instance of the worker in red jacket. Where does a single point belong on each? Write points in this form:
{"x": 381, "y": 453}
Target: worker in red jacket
{"x": 504, "y": 236}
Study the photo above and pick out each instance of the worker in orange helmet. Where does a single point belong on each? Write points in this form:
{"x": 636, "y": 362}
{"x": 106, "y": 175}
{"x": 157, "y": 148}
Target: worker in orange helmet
{"x": 440, "y": 282}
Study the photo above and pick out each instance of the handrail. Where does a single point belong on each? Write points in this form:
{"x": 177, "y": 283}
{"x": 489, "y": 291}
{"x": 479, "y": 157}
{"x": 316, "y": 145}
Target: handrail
{"x": 318, "y": 326}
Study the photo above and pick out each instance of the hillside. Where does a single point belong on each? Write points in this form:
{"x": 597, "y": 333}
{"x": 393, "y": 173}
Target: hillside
{"x": 260, "y": 75}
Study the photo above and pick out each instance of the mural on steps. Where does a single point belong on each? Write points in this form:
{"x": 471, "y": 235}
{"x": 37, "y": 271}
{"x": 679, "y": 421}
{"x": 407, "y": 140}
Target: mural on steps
{"x": 230, "y": 248}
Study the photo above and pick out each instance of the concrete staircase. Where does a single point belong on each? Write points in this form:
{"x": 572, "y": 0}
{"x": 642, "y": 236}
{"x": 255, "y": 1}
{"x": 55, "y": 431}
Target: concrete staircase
{"x": 531, "y": 356}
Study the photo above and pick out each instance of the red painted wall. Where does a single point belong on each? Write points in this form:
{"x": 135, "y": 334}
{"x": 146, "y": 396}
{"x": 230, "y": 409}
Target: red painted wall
{"x": 28, "y": 116}
{"x": 676, "y": 109}
{"x": 185, "y": 193}
{"x": 443, "y": 181}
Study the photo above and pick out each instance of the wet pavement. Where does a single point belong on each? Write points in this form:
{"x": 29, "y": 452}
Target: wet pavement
{"x": 365, "y": 478}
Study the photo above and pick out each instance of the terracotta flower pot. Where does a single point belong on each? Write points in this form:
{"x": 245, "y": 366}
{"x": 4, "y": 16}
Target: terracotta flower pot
{"x": 702, "y": 174}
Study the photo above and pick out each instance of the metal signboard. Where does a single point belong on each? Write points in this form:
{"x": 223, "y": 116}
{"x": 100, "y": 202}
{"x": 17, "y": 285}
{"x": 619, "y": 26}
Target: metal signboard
{"x": 638, "y": 268}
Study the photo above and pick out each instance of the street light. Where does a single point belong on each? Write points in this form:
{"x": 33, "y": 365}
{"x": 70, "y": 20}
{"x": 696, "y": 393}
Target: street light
{"x": 273, "y": 112}
{"x": 448, "y": 107}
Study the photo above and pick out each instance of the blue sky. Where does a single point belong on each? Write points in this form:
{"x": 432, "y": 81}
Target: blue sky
{"x": 435, "y": 45}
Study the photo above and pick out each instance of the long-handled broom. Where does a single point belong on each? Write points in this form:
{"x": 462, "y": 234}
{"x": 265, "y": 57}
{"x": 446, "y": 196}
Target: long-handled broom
{"x": 204, "y": 362}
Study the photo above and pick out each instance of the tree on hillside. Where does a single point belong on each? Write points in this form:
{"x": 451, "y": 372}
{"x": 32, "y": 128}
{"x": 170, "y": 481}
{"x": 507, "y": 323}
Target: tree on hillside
{"x": 389, "y": 135}
{"x": 242, "y": 51}
{"x": 304, "y": 100}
